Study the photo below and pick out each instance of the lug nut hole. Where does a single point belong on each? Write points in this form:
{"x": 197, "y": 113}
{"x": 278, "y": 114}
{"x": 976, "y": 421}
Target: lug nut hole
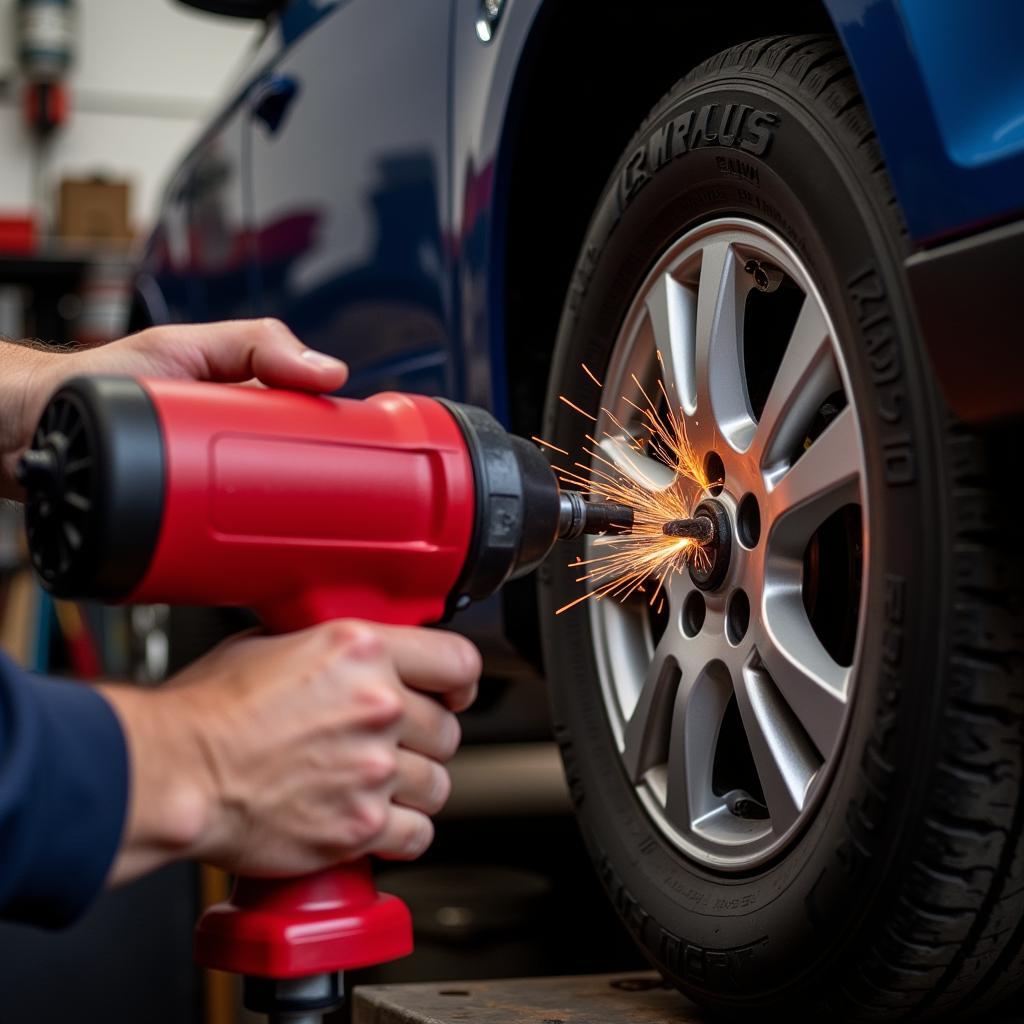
{"x": 714, "y": 470}
{"x": 694, "y": 612}
{"x": 748, "y": 521}
{"x": 737, "y": 618}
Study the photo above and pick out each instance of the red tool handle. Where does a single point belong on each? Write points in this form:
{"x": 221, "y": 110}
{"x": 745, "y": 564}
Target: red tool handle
{"x": 307, "y": 509}
{"x": 290, "y": 927}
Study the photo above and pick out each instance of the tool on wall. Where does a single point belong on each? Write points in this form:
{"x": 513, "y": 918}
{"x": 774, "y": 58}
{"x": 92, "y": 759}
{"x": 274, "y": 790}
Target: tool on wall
{"x": 45, "y": 33}
{"x": 397, "y": 508}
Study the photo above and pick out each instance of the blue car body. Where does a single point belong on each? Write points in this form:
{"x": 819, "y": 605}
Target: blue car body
{"x": 357, "y": 182}
{"x": 412, "y": 197}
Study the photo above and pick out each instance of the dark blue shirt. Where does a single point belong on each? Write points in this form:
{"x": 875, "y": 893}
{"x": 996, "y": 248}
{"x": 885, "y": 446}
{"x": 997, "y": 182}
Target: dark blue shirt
{"x": 63, "y": 793}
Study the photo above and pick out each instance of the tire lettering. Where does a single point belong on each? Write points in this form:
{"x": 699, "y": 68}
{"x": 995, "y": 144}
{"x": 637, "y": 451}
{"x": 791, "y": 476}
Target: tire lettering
{"x": 878, "y": 333}
{"x": 703, "y": 134}
{"x": 729, "y": 166}
{"x": 762, "y": 205}
{"x": 681, "y": 132}
{"x": 760, "y": 132}
{"x": 719, "y": 968}
{"x": 729, "y": 130}
{"x": 634, "y": 176}
{"x": 730, "y": 126}
{"x": 659, "y": 146}
{"x": 898, "y": 455}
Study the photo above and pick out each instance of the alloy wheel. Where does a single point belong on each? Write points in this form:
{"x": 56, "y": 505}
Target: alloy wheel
{"x": 729, "y": 699}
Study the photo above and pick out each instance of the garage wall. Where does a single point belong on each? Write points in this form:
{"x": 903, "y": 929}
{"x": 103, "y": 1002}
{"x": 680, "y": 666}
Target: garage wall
{"x": 146, "y": 76}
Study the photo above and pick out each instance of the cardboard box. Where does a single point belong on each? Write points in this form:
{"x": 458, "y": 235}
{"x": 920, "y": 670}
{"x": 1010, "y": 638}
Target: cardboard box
{"x": 94, "y": 208}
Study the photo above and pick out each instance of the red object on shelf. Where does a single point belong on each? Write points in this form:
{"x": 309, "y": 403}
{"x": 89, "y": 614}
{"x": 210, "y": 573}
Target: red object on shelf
{"x": 17, "y": 233}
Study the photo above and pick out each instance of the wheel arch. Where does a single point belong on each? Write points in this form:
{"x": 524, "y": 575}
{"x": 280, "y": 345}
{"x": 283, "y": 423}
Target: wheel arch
{"x": 550, "y": 138}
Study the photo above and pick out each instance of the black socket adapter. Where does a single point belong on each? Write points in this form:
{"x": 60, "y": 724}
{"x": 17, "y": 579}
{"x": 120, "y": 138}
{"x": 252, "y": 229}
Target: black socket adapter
{"x": 517, "y": 506}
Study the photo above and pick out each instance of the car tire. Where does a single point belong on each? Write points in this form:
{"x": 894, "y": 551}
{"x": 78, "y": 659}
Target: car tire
{"x": 901, "y": 890}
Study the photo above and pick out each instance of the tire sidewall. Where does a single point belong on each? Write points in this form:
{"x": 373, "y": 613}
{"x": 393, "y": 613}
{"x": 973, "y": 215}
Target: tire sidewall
{"x": 732, "y": 937}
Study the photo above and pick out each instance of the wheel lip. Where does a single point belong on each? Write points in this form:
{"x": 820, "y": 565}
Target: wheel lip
{"x": 650, "y": 790}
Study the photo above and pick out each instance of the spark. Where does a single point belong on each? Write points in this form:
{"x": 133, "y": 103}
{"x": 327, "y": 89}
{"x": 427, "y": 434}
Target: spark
{"x": 643, "y": 561}
{"x": 576, "y": 408}
{"x": 548, "y": 444}
{"x": 589, "y": 373}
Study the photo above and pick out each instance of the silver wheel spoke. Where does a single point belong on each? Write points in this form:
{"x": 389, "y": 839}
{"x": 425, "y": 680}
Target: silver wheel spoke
{"x": 696, "y": 716}
{"x": 809, "y": 680}
{"x": 672, "y": 308}
{"x": 644, "y": 470}
{"x": 822, "y": 480}
{"x": 723, "y": 407}
{"x": 681, "y": 753}
{"x": 783, "y": 756}
{"x": 806, "y": 376}
{"x": 645, "y": 737}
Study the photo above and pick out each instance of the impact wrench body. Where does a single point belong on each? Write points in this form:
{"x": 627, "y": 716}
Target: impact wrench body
{"x": 398, "y": 509}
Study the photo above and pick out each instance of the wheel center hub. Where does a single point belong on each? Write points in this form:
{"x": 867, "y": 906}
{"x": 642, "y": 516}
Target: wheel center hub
{"x": 708, "y": 572}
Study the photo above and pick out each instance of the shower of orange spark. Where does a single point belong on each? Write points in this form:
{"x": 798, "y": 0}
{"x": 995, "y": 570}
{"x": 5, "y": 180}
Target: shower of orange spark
{"x": 621, "y": 564}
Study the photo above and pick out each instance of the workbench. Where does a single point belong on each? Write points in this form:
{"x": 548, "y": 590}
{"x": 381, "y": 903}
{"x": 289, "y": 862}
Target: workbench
{"x": 635, "y": 998}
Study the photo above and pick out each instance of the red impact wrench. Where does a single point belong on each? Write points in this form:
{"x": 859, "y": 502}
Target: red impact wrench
{"x": 397, "y": 508}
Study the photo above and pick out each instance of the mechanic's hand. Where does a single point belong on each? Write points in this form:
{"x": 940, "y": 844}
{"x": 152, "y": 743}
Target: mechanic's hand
{"x": 232, "y": 351}
{"x": 284, "y": 755}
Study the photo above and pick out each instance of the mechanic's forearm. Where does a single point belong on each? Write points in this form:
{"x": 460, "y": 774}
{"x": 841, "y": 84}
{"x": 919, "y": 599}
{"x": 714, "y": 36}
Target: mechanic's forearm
{"x": 170, "y": 805}
{"x": 28, "y": 374}
{"x": 25, "y": 368}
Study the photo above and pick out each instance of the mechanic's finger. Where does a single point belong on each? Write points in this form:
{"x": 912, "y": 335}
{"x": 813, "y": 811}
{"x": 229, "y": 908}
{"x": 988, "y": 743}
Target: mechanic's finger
{"x": 421, "y": 783}
{"x": 427, "y": 728}
{"x": 237, "y": 350}
{"x": 406, "y": 835}
{"x": 12, "y": 489}
{"x": 435, "y": 661}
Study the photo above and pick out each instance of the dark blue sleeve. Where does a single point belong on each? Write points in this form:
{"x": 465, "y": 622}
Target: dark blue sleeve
{"x": 63, "y": 793}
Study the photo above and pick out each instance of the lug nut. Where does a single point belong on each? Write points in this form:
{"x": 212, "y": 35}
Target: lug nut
{"x": 700, "y": 529}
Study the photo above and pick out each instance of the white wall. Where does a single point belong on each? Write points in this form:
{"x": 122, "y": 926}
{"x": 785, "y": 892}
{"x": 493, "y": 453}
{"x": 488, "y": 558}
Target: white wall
{"x": 147, "y": 74}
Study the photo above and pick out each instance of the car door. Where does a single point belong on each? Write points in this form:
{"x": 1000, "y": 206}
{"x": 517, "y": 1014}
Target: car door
{"x": 198, "y": 262}
{"x": 349, "y": 192}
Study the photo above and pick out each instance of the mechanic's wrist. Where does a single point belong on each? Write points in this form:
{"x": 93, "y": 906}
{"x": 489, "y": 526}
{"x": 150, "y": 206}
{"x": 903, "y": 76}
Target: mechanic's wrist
{"x": 28, "y": 376}
{"x": 172, "y": 802}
